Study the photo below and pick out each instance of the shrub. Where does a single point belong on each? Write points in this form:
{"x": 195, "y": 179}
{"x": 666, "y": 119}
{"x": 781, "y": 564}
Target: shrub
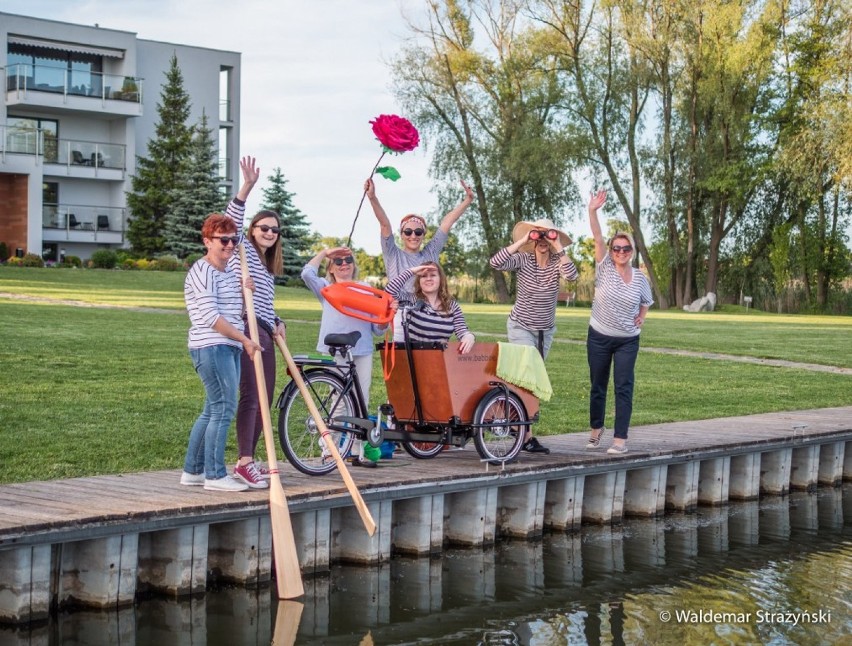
{"x": 143, "y": 263}
{"x": 14, "y": 261}
{"x": 128, "y": 263}
{"x": 169, "y": 263}
{"x": 191, "y": 259}
{"x": 123, "y": 254}
{"x": 32, "y": 260}
{"x": 73, "y": 261}
{"x": 104, "y": 259}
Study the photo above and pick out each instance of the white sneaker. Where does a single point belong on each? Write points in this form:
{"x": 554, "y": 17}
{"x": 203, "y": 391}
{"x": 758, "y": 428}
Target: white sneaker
{"x": 224, "y": 484}
{"x": 192, "y": 479}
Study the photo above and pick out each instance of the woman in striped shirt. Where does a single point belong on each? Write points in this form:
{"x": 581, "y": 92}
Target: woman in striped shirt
{"x": 622, "y": 298}
{"x": 214, "y": 301}
{"x": 264, "y": 259}
{"x": 440, "y": 315}
{"x": 538, "y": 255}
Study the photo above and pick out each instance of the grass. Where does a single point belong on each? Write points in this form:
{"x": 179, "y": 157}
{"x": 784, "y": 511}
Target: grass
{"x": 90, "y": 390}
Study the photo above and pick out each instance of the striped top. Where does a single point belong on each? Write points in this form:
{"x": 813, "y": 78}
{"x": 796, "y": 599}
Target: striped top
{"x": 264, "y": 281}
{"x": 538, "y": 287}
{"x": 427, "y": 324}
{"x": 209, "y": 294}
{"x": 617, "y": 303}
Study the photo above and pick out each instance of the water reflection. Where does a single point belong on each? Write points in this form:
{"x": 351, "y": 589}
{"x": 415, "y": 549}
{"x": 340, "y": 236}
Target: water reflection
{"x": 644, "y": 581}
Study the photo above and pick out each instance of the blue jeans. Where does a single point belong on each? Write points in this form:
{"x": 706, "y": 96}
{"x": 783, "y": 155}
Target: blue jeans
{"x": 620, "y": 353}
{"x": 219, "y": 369}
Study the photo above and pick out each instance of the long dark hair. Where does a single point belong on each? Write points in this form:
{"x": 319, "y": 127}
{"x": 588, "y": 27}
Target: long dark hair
{"x": 271, "y": 258}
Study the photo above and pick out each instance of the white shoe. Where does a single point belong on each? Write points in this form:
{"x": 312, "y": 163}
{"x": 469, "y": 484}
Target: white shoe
{"x": 192, "y": 479}
{"x": 224, "y": 484}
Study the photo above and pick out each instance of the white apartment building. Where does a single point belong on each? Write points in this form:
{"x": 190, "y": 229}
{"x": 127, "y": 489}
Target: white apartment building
{"x": 80, "y": 103}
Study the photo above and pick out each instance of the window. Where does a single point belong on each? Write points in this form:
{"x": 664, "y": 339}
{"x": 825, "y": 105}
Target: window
{"x": 55, "y": 70}
{"x": 225, "y": 94}
{"x": 50, "y": 205}
{"x": 23, "y": 136}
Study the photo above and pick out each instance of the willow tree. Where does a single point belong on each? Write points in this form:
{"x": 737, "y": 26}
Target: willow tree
{"x": 479, "y": 83}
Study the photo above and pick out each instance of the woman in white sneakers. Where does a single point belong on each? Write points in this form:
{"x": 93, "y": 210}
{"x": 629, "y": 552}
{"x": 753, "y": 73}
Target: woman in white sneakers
{"x": 622, "y": 298}
{"x": 214, "y": 301}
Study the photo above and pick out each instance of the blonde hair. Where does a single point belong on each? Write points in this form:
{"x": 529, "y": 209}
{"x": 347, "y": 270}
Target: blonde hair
{"x": 329, "y": 275}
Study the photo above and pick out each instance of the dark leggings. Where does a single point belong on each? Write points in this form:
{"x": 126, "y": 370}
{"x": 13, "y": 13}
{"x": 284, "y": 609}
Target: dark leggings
{"x": 249, "y": 420}
{"x": 620, "y": 353}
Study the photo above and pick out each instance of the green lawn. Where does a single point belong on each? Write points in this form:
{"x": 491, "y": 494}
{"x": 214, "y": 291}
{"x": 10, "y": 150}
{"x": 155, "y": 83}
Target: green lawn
{"x": 87, "y": 390}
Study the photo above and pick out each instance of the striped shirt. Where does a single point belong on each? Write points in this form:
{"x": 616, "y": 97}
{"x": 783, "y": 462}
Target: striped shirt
{"x": 428, "y": 324}
{"x": 617, "y": 303}
{"x": 538, "y": 287}
{"x": 209, "y": 294}
{"x": 264, "y": 281}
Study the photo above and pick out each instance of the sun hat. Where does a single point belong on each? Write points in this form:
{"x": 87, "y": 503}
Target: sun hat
{"x": 523, "y": 228}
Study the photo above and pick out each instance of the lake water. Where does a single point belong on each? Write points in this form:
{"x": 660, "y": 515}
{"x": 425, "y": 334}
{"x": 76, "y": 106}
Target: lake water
{"x": 774, "y": 571}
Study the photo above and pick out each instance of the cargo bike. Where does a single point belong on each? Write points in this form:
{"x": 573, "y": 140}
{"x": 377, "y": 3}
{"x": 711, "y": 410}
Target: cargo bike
{"x": 436, "y": 397}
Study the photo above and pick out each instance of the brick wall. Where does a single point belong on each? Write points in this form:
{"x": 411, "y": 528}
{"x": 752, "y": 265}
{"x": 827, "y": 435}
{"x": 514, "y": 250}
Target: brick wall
{"x": 13, "y": 212}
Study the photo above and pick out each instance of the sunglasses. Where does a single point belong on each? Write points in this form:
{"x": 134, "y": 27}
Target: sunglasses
{"x": 538, "y": 234}
{"x": 346, "y": 259}
{"x": 622, "y": 249}
{"x": 266, "y": 228}
{"x": 410, "y": 232}
{"x": 226, "y": 240}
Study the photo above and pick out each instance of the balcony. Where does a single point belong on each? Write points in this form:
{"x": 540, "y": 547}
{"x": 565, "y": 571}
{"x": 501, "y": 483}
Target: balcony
{"x": 59, "y": 88}
{"x": 83, "y": 223}
{"x": 68, "y": 157}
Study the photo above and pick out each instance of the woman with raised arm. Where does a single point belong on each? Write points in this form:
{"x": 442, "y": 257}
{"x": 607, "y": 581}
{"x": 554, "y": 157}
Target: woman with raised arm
{"x": 263, "y": 257}
{"x": 538, "y": 255}
{"x": 621, "y": 302}
{"x": 214, "y": 301}
{"x": 341, "y": 268}
{"x": 412, "y": 230}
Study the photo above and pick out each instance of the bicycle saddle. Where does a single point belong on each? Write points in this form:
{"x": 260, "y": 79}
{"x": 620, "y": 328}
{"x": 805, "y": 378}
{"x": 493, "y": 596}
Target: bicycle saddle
{"x": 348, "y": 339}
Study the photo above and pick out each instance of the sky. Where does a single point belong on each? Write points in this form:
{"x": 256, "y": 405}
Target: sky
{"x": 314, "y": 73}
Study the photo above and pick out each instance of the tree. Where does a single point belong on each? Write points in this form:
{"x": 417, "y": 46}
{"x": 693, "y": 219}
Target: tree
{"x": 295, "y": 235}
{"x": 486, "y": 100}
{"x": 195, "y": 194}
{"x": 150, "y": 199}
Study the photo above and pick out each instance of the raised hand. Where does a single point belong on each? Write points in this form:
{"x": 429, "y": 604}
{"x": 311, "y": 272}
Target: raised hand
{"x": 597, "y": 200}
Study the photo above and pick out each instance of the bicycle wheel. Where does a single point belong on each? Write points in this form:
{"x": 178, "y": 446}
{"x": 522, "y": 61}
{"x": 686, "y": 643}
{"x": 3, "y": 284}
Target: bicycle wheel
{"x": 423, "y": 450}
{"x": 297, "y": 430}
{"x": 503, "y": 442}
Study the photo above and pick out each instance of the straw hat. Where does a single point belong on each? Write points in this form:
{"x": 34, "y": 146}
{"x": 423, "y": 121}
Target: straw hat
{"x": 523, "y": 228}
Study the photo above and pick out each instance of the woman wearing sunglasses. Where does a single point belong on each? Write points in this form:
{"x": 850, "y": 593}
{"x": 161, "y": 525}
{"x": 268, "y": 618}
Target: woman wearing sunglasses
{"x": 538, "y": 256}
{"x": 622, "y": 298}
{"x": 214, "y": 301}
{"x": 263, "y": 257}
{"x": 412, "y": 232}
{"x": 340, "y": 268}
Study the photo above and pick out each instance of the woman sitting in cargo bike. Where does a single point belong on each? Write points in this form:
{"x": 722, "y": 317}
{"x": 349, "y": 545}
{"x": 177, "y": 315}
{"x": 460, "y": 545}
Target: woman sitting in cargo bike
{"x": 438, "y": 392}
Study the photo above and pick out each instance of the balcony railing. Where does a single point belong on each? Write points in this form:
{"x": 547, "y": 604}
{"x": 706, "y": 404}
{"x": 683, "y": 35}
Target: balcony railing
{"x": 83, "y": 217}
{"x": 72, "y": 152}
{"x": 23, "y": 77}
{"x": 224, "y": 110}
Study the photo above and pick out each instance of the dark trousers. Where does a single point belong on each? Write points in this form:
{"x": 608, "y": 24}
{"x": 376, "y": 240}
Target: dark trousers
{"x": 620, "y": 353}
{"x": 249, "y": 420}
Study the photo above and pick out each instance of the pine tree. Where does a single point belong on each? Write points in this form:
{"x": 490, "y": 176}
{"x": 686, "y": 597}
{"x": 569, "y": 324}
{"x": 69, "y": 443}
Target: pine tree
{"x": 195, "y": 194}
{"x": 295, "y": 235}
{"x": 149, "y": 201}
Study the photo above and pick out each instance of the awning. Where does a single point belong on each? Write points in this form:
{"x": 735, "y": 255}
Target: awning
{"x": 66, "y": 47}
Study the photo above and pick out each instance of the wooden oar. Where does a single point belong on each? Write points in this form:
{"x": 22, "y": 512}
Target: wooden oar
{"x": 287, "y": 621}
{"x": 288, "y": 575}
{"x": 360, "y": 505}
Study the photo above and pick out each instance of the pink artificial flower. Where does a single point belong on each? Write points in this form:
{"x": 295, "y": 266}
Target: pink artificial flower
{"x": 395, "y": 133}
